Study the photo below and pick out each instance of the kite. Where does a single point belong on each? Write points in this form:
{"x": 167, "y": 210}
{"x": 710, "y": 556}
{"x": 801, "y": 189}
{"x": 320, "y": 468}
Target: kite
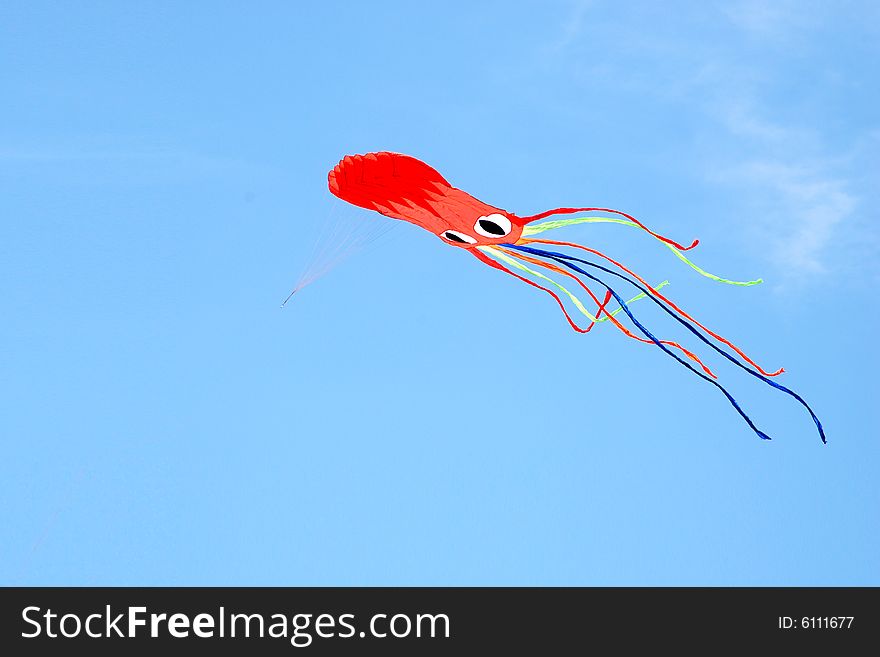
{"x": 405, "y": 188}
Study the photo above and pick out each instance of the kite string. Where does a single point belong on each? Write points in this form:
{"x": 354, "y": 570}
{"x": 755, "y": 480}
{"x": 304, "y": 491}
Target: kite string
{"x": 336, "y": 241}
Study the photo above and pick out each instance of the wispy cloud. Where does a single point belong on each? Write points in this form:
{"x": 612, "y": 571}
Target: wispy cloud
{"x": 773, "y": 19}
{"x": 803, "y": 193}
{"x": 758, "y": 79}
{"x": 788, "y": 169}
{"x": 573, "y": 26}
{"x": 801, "y": 208}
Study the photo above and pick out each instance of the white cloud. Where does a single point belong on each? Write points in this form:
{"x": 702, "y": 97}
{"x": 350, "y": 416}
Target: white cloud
{"x": 574, "y": 24}
{"x": 769, "y": 19}
{"x": 800, "y": 209}
{"x": 803, "y": 195}
{"x": 798, "y": 184}
{"x": 786, "y": 168}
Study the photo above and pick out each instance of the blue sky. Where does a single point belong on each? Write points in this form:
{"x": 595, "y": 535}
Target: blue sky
{"x": 414, "y": 417}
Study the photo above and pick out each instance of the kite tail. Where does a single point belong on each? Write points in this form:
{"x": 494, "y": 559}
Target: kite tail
{"x": 482, "y": 257}
{"x": 639, "y": 325}
{"x": 666, "y": 240}
{"x": 535, "y": 229}
{"x": 672, "y": 305}
{"x": 568, "y": 262}
{"x": 610, "y": 316}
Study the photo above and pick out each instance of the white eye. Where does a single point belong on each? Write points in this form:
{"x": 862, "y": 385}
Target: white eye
{"x": 458, "y": 238}
{"x": 493, "y": 225}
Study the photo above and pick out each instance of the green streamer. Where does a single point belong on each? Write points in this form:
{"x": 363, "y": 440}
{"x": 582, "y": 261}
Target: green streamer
{"x": 574, "y": 299}
{"x": 534, "y": 229}
{"x": 562, "y": 223}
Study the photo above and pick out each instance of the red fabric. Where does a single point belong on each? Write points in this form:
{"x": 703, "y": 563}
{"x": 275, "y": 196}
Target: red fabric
{"x": 402, "y": 187}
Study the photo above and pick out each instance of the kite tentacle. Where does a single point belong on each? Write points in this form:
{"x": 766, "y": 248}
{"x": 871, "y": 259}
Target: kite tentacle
{"x": 567, "y": 261}
{"x": 547, "y": 213}
{"x": 496, "y": 265}
{"x": 654, "y": 339}
{"x": 534, "y": 229}
{"x": 659, "y": 296}
{"x": 515, "y": 262}
{"x": 601, "y": 307}
{"x": 614, "y": 320}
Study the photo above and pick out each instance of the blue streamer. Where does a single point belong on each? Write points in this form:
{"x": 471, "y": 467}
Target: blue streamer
{"x": 564, "y": 259}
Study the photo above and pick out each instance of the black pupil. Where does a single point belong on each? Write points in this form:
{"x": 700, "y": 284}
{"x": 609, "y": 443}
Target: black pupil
{"x": 452, "y": 237}
{"x": 491, "y": 227}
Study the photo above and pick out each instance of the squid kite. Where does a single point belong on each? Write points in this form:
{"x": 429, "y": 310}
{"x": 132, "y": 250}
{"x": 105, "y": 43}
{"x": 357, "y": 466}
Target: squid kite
{"x": 402, "y": 187}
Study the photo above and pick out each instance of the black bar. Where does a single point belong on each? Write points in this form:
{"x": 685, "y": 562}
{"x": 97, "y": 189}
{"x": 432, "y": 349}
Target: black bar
{"x": 523, "y": 620}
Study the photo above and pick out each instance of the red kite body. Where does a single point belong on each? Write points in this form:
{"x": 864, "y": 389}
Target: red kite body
{"x": 404, "y": 188}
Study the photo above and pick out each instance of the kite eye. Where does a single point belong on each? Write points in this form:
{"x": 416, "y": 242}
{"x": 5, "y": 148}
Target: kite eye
{"x": 493, "y": 225}
{"x": 459, "y": 238}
